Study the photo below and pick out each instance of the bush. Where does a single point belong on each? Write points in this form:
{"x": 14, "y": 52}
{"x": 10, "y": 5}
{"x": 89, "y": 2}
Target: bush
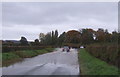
{"x": 106, "y": 52}
{"x": 72, "y": 45}
{"x": 19, "y": 48}
{"x": 93, "y": 66}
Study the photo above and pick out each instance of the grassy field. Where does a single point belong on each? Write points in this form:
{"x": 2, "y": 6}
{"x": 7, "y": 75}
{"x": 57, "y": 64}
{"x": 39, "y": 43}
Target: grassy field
{"x": 13, "y": 57}
{"x": 89, "y": 65}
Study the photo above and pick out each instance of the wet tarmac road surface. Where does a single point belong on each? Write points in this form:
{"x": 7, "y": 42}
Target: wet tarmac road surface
{"x": 55, "y": 63}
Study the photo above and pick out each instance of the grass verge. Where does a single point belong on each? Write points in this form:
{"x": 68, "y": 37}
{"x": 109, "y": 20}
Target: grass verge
{"x": 13, "y": 57}
{"x": 89, "y": 65}
{"x": 9, "y": 58}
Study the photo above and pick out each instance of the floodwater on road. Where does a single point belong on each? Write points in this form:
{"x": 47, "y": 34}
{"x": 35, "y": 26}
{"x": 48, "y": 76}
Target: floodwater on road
{"x": 55, "y": 63}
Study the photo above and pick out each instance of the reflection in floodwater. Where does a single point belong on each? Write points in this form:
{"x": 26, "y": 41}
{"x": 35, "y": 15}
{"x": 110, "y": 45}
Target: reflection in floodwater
{"x": 55, "y": 63}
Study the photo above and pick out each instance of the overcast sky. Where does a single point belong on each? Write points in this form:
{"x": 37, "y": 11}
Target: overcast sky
{"x": 31, "y": 18}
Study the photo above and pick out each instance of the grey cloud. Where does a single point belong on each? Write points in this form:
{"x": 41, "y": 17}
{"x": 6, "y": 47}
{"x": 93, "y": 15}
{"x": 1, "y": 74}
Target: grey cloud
{"x": 57, "y": 15}
{"x": 49, "y": 13}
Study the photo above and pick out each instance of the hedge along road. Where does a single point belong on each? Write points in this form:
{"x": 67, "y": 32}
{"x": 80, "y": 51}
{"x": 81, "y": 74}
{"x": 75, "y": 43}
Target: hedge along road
{"x": 55, "y": 63}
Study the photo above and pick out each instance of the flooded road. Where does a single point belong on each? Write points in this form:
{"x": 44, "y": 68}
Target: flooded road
{"x": 55, "y": 63}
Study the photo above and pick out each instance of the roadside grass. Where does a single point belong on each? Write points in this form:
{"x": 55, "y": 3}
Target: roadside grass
{"x": 46, "y": 50}
{"x": 9, "y": 58}
{"x": 41, "y": 51}
{"x": 13, "y": 57}
{"x": 26, "y": 53}
{"x": 89, "y": 65}
{"x": 0, "y": 59}
{"x": 49, "y": 49}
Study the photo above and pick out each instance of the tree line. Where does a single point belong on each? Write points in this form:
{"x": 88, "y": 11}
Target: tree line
{"x": 81, "y": 37}
{"x": 73, "y": 37}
